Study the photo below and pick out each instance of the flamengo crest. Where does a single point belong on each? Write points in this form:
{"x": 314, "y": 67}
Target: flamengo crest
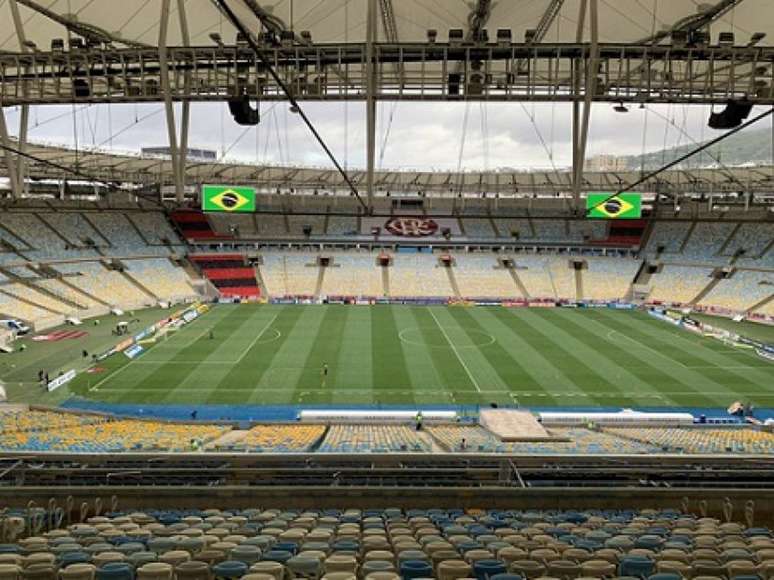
{"x": 412, "y": 227}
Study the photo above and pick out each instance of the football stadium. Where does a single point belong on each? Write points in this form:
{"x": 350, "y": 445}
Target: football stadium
{"x": 386, "y": 289}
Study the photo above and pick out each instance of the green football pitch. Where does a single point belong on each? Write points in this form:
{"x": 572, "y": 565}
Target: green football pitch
{"x": 272, "y": 354}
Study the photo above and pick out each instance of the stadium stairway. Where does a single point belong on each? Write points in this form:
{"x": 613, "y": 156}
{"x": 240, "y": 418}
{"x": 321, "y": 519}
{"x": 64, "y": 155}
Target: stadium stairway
{"x": 761, "y": 304}
{"x": 516, "y": 280}
{"x": 54, "y": 231}
{"x": 31, "y": 284}
{"x": 104, "y": 241}
{"x": 385, "y": 280}
{"x": 137, "y": 284}
{"x": 259, "y": 279}
{"x": 136, "y": 229}
{"x": 452, "y": 280}
{"x": 31, "y": 303}
{"x": 579, "y": 285}
{"x": 688, "y": 235}
{"x": 74, "y": 288}
{"x": 493, "y": 225}
{"x": 320, "y": 279}
{"x": 729, "y": 239}
{"x": 707, "y": 289}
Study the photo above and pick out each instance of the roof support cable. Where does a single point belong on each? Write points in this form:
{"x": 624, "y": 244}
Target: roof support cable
{"x": 460, "y": 175}
{"x": 682, "y": 158}
{"x": 239, "y": 25}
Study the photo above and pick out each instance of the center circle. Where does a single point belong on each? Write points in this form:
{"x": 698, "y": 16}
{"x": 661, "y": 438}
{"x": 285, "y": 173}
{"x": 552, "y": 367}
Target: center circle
{"x": 476, "y": 339}
{"x": 269, "y": 336}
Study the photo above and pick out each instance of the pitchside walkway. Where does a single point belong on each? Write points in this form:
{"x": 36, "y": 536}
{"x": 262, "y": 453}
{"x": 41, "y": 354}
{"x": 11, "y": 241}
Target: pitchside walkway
{"x": 285, "y": 413}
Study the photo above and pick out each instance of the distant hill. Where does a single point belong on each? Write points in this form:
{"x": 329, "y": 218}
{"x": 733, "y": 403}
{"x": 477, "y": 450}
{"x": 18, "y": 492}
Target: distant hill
{"x": 745, "y": 147}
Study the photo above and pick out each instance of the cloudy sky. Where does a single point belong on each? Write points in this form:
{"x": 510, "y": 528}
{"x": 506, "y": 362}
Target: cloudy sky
{"x": 442, "y": 136}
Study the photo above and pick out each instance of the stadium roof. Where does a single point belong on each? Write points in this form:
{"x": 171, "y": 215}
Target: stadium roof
{"x": 149, "y": 170}
{"x": 137, "y": 23}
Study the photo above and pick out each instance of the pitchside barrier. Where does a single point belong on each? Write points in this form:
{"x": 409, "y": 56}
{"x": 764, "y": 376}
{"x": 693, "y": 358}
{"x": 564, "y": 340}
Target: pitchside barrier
{"x": 627, "y": 417}
{"x": 349, "y": 416}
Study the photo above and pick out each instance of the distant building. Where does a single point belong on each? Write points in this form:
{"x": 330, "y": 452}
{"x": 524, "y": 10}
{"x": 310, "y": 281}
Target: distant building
{"x": 193, "y": 154}
{"x": 605, "y": 163}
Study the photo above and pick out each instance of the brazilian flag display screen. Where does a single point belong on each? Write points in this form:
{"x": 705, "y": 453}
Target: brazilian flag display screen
{"x": 228, "y": 198}
{"x": 622, "y": 206}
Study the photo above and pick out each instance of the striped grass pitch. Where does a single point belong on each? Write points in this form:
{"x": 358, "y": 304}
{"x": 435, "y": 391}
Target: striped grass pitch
{"x": 271, "y": 354}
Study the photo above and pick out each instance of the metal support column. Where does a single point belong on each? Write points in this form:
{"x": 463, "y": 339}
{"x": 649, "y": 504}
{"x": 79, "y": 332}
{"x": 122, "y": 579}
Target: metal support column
{"x": 24, "y": 118}
{"x": 371, "y": 23}
{"x": 10, "y": 161}
{"x": 576, "y": 105}
{"x": 186, "y": 106}
{"x": 590, "y": 89}
{"x": 168, "y": 106}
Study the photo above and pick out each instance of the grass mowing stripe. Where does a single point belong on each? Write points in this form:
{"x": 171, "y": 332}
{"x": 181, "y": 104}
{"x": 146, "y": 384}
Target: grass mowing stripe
{"x": 447, "y": 365}
{"x": 695, "y": 356}
{"x": 247, "y": 338}
{"x": 508, "y": 367}
{"x": 228, "y": 336}
{"x": 591, "y": 343}
{"x": 287, "y": 365}
{"x": 423, "y": 375}
{"x": 354, "y": 364}
{"x": 132, "y": 374}
{"x": 659, "y": 339}
{"x": 389, "y": 367}
{"x": 719, "y": 354}
{"x": 611, "y": 375}
{"x": 664, "y": 382}
{"x": 454, "y": 350}
{"x": 325, "y": 350}
{"x": 521, "y": 340}
{"x": 592, "y": 385}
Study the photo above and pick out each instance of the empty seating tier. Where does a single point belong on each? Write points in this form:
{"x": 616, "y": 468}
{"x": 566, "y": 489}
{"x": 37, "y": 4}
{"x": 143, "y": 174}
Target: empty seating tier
{"x": 391, "y": 544}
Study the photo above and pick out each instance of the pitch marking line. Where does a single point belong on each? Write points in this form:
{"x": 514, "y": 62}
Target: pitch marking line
{"x": 148, "y": 361}
{"x": 645, "y": 346}
{"x": 241, "y": 356}
{"x": 456, "y": 352}
{"x": 257, "y": 336}
{"x": 96, "y": 387}
{"x": 402, "y": 336}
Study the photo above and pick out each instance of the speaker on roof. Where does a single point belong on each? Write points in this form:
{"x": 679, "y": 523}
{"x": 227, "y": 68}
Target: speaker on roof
{"x": 81, "y": 88}
{"x": 242, "y": 112}
{"x": 454, "y": 83}
{"x": 307, "y": 229}
{"x": 732, "y": 116}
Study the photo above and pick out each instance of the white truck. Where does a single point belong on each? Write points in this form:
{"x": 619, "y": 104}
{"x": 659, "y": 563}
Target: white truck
{"x": 14, "y": 325}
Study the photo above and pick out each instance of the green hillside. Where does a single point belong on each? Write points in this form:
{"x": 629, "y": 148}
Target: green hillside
{"x": 744, "y": 147}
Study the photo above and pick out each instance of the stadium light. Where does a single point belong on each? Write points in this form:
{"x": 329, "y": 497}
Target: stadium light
{"x": 216, "y": 38}
{"x": 756, "y": 38}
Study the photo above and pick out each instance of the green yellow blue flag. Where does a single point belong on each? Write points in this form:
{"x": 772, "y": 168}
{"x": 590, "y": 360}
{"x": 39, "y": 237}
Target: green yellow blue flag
{"x": 228, "y": 198}
{"x": 622, "y": 206}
